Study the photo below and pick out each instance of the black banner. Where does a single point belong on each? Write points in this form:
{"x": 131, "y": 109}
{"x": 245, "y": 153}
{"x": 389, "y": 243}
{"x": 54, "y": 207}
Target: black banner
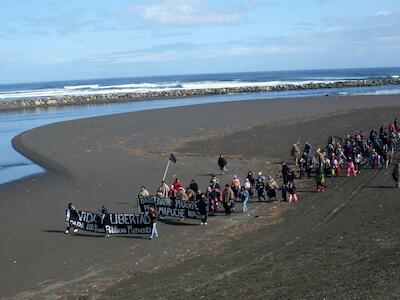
{"x": 120, "y": 223}
{"x": 170, "y": 208}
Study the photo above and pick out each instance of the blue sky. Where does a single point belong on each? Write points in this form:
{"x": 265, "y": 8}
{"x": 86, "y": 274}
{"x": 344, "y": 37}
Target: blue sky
{"x": 43, "y": 40}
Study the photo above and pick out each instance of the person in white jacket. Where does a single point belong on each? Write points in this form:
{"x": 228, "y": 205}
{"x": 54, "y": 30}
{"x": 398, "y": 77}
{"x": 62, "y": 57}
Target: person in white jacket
{"x": 163, "y": 190}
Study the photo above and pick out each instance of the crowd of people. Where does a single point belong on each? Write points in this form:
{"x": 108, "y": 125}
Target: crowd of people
{"x": 341, "y": 156}
{"x": 352, "y": 153}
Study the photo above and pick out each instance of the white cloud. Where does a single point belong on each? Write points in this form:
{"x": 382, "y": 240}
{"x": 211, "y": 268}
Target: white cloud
{"x": 264, "y": 49}
{"x": 61, "y": 60}
{"x": 183, "y": 12}
{"x": 382, "y": 13}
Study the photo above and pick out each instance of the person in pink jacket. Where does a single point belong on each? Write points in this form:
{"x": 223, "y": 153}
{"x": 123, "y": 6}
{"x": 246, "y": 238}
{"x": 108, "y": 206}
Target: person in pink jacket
{"x": 350, "y": 167}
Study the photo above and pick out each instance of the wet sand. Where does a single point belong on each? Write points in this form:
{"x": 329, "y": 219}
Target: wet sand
{"x": 326, "y": 245}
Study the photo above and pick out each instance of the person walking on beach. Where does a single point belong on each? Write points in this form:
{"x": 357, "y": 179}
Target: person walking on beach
{"x": 320, "y": 160}
{"x": 295, "y": 153}
{"x": 194, "y": 186}
{"x": 252, "y": 181}
{"x": 202, "y": 205}
{"x": 307, "y": 148}
{"x": 291, "y": 176}
{"x": 340, "y": 159}
{"x": 214, "y": 182}
{"x": 245, "y": 195}
{"x": 178, "y": 184}
{"x": 260, "y": 177}
{"x": 302, "y": 166}
{"x": 247, "y": 184}
{"x": 153, "y": 217}
{"x": 181, "y": 194}
{"x": 285, "y": 170}
{"x": 284, "y": 191}
{"x": 235, "y": 186}
{"x": 335, "y": 166}
{"x": 213, "y": 196}
{"x": 272, "y": 186}
{"x": 68, "y": 212}
{"x": 357, "y": 162}
{"x": 291, "y": 189}
{"x": 308, "y": 163}
{"x": 222, "y": 164}
{"x": 396, "y": 174}
{"x": 163, "y": 190}
{"x": 260, "y": 187}
{"x": 104, "y": 211}
{"x": 350, "y": 167}
{"x": 320, "y": 181}
{"x": 227, "y": 197}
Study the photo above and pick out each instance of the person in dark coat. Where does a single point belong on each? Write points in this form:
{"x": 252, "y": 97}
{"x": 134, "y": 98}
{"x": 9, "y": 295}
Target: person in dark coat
{"x": 194, "y": 186}
{"x": 251, "y": 179}
{"x": 290, "y": 175}
{"x": 222, "y": 163}
{"x": 260, "y": 187}
{"x": 396, "y": 174}
{"x": 285, "y": 170}
{"x": 202, "y": 205}
{"x": 104, "y": 211}
{"x": 227, "y": 197}
{"x": 283, "y": 189}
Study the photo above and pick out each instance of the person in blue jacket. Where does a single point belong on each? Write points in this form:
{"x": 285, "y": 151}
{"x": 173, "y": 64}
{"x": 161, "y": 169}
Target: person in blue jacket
{"x": 245, "y": 195}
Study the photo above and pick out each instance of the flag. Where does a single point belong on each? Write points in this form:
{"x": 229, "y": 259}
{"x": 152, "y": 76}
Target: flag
{"x": 172, "y": 158}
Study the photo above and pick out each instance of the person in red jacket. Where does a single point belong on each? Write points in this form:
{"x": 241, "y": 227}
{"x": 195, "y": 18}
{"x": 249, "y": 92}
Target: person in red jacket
{"x": 177, "y": 184}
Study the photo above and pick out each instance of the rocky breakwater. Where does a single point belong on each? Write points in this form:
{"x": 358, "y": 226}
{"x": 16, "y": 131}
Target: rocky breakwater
{"x": 180, "y": 93}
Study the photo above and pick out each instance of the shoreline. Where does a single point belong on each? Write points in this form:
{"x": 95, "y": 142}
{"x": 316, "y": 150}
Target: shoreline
{"x": 58, "y": 169}
{"x": 31, "y": 103}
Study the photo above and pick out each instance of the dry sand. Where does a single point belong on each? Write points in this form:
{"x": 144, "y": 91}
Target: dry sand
{"x": 339, "y": 244}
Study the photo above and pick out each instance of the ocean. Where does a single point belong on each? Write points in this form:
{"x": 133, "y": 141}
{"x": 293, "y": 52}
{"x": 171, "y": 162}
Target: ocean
{"x": 14, "y": 166}
{"x": 9, "y": 92}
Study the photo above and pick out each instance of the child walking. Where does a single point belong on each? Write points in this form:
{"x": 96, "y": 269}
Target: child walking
{"x": 320, "y": 181}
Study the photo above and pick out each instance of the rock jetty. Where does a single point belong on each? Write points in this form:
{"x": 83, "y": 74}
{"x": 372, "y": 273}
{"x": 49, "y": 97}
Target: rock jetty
{"x": 180, "y": 93}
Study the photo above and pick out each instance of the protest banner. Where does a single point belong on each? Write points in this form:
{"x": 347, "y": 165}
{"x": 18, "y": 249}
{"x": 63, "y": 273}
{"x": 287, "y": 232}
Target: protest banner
{"x": 113, "y": 223}
{"x": 170, "y": 208}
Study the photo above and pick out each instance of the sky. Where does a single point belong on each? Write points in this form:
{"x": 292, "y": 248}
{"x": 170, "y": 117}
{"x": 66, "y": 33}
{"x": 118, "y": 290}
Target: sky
{"x": 46, "y": 40}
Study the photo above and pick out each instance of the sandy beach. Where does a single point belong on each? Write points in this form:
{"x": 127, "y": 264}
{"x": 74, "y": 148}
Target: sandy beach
{"x": 340, "y": 244}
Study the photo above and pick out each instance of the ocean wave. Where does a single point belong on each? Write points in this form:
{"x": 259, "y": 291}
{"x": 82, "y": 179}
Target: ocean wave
{"x": 144, "y": 85}
{"x": 148, "y": 87}
{"x": 95, "y": 89}
{"x": 239, "y": 84}
{"x": 79, "y": 87}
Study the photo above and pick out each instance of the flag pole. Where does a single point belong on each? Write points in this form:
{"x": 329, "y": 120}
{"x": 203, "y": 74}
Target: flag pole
{"x": 166, "y": 170}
